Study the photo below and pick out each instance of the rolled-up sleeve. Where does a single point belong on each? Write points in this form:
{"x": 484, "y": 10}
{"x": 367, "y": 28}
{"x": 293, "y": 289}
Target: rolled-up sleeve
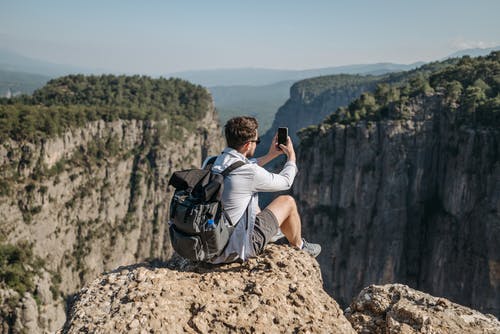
{"x": 267, "y": 182}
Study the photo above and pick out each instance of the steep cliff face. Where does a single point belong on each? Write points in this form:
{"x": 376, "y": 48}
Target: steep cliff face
{"x": 414, "y": 201}
{"x": 93, "y": 199}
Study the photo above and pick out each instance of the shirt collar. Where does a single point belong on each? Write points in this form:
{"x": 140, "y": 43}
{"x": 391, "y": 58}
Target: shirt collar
{"x": 231, "y": 151}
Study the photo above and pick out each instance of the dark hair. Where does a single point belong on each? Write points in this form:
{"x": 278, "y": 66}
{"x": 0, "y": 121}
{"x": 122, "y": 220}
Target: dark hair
{"x": 239, "y": 130}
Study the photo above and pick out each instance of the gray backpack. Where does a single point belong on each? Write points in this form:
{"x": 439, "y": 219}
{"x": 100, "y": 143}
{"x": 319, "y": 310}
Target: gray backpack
{"x": 197, "y": 231}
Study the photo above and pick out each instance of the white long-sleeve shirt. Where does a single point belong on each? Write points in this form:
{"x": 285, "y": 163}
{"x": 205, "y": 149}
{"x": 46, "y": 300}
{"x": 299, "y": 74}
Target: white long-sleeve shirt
{"x": 241, "y": 189}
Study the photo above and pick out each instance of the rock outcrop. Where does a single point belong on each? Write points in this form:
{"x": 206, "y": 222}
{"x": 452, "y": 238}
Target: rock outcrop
{"x": 280, "y": 292}
{"x": 398, "y": 309}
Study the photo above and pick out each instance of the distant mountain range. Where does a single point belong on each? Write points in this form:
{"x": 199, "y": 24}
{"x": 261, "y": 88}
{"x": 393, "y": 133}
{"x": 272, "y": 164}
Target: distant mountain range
{"x": 263, "y": 76}
{"x": 14, "y": 62}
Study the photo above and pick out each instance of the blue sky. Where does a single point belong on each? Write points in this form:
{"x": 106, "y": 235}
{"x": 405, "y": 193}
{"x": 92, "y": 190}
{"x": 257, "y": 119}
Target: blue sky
{"x": 158, "y": 37}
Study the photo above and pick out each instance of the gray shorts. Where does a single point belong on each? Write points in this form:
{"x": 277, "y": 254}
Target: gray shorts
{"x": 266, "y": 227}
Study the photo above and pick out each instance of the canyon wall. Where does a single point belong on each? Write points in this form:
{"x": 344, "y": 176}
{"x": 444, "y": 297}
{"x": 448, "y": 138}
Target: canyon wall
{"x": 89, "y": 201}
{"x": 413, "y": 201}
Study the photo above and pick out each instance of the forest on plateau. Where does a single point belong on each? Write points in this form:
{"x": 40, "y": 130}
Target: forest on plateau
{"x": 74, "y": 100}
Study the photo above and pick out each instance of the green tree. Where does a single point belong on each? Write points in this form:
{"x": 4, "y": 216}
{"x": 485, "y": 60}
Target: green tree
{"x": 453, "y": 91}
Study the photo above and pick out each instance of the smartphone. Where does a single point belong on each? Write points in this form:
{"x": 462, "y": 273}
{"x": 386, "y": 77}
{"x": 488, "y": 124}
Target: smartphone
{"x": 282, "y": 136}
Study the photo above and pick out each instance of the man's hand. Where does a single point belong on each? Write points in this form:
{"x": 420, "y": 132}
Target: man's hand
{"x": 288, "y": 149}
{"x": 274, "y": 150}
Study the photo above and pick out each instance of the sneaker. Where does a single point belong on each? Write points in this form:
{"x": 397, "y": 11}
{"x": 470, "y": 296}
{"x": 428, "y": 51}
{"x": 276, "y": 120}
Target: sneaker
{"x": 313, "y": 249}
{"x": 279, "y": 235}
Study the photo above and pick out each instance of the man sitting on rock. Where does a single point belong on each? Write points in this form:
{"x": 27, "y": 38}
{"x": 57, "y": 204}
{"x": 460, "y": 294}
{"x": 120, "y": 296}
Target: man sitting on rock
{"x": 255, "y": 228}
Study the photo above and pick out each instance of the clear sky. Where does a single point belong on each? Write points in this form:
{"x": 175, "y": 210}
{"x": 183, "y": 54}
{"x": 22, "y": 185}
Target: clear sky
{"x": 157, "y": 37}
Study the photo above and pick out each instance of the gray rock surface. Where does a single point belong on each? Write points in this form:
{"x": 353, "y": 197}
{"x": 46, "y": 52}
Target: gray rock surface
{"x": 398, "y": 309}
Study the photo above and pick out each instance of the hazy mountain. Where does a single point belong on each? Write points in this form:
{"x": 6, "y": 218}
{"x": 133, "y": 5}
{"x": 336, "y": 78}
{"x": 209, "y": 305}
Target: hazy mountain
{"x": 261, "y": 102}
{"x": 262, "y": 76}
{"x": 476, "y": 52}
{"x": 15, "y": 83}
{"x": 14, "y": 62}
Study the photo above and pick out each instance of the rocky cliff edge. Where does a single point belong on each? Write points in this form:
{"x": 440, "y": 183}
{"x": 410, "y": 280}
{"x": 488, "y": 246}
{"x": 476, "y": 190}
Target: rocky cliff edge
{"x": 280, "y": 292}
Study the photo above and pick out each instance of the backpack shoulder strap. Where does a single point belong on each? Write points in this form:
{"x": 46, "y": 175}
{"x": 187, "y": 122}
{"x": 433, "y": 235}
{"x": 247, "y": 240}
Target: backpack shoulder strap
{"x": 233, "y": 166}
{"x": 210, "y": 162}
{"x": 225, "y": 173}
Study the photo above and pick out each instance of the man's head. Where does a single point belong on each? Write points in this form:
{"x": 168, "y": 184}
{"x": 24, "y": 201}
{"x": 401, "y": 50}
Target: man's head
{"x": 242, "y": 135}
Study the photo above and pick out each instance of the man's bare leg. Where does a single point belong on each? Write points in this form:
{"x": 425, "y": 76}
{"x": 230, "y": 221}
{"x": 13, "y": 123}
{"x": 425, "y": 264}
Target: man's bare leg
{"x": 285, "y": 210}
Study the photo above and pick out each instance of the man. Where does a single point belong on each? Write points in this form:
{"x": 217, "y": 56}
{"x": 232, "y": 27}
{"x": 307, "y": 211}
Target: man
{"x": 254, "y": 227}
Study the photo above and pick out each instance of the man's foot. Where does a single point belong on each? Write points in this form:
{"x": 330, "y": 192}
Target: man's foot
{"x": 313, "y": 249}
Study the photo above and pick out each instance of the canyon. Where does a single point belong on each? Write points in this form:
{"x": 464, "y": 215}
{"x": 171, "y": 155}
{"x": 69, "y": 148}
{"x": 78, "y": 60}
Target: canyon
{"x": 399, "y": 181}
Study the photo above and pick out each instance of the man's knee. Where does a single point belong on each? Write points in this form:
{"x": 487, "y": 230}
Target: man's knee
{"x": 283, "y": 204}
{"x": 283, "y": 207}
{"x": 288, "y": 200}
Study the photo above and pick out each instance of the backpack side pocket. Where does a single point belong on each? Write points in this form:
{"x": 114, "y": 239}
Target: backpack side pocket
{"x": 187, "y": 246}
{"x": 217, "y": 238}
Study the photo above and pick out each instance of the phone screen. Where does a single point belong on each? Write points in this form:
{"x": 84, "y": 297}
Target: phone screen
{"x": 282, "y": 135}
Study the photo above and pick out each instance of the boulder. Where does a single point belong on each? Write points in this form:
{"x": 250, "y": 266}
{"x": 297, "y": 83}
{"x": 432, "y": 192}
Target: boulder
{"x": 398, "y": 309}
